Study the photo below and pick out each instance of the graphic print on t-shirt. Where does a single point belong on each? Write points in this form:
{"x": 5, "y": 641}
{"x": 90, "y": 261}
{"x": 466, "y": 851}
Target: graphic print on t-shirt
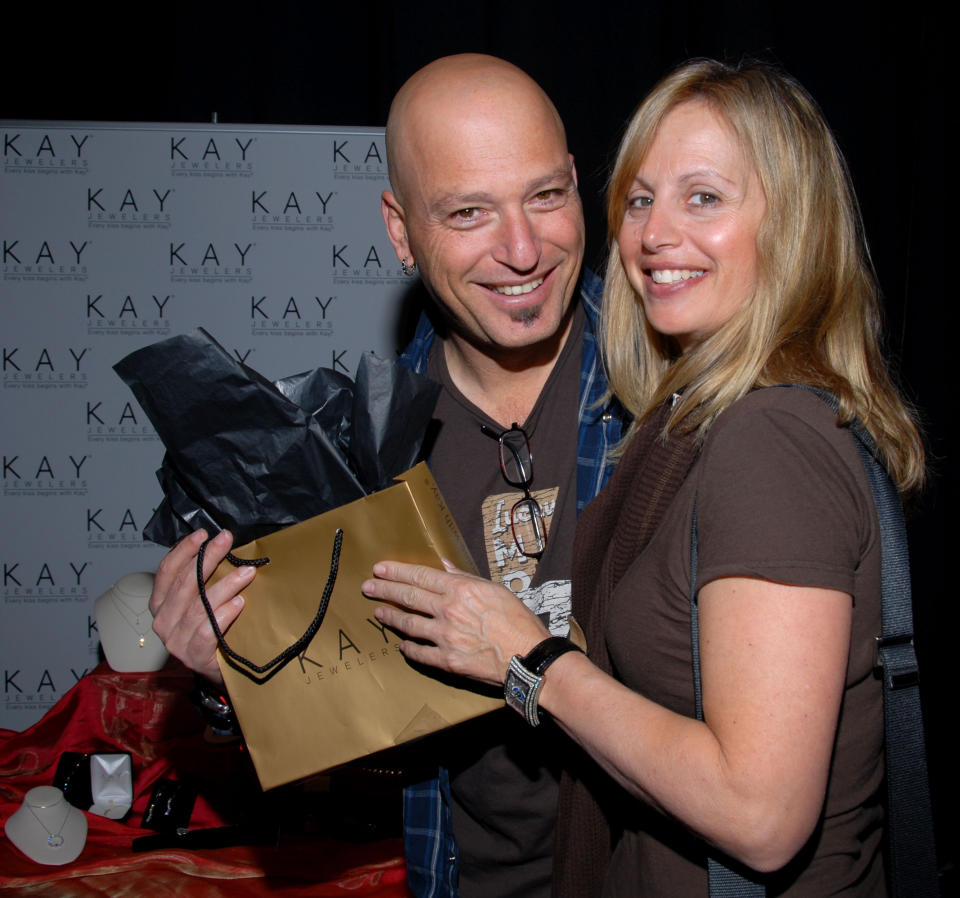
{"x": 509, "y": 566}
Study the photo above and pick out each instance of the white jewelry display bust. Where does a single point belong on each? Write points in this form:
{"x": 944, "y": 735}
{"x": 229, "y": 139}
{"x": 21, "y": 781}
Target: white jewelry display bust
{"x": 47, "y": 828}
{"x": 126, "y": 626}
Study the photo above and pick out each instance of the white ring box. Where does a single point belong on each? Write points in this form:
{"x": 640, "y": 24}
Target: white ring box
{"x": 111, "y": 785}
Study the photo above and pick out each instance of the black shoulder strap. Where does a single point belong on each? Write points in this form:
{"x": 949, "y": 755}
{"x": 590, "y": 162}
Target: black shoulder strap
{"x": 911, "y": 845}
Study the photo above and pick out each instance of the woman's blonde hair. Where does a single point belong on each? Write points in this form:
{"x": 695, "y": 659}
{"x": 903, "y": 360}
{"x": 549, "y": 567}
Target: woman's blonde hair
{"x": 814, "y": 317}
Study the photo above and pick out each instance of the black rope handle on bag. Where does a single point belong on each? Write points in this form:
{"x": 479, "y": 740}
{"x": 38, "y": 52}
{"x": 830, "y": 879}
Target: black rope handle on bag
{"x": 308, "y": 634}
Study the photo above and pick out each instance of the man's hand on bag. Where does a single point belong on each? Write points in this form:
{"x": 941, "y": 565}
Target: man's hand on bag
{"x": 179, "y": 618}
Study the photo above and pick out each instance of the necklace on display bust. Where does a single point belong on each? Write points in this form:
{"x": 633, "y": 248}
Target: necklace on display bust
{"x": 54, "y": 839}
{"x": 126, "y": 610}
{"x": 47, "y": 828}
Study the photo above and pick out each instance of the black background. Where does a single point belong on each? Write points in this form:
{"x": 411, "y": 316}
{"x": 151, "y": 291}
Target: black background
{"x": 879, "y": 78}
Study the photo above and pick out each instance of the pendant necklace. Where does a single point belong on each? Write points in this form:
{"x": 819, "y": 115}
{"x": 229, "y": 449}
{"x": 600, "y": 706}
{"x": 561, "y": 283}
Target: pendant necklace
{"x": 54, "y": 839}
{"x": 117, "y": 602}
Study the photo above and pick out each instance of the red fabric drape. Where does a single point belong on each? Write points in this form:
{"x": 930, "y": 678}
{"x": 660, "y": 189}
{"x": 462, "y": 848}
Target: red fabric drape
{"x": 150, "y": 716}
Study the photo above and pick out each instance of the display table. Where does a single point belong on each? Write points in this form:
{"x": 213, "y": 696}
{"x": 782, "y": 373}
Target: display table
{"x": 150, "y": 716}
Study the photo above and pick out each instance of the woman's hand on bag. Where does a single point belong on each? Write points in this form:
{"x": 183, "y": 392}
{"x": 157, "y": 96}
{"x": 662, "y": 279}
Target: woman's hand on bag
{"x": 179, "y": 618}
{"x": 475, "y": 626}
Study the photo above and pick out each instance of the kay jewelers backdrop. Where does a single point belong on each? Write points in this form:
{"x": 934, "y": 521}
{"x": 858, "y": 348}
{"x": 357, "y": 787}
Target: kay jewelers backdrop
{"x": 118, "y": 235}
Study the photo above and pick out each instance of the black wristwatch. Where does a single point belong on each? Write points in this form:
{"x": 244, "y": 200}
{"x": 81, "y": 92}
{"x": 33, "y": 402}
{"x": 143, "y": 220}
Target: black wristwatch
{"x": 521, "y": 689}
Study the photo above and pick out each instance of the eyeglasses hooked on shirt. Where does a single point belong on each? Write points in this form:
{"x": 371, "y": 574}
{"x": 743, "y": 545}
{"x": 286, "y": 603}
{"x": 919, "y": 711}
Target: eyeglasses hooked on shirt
{"x": 516, "y": 466}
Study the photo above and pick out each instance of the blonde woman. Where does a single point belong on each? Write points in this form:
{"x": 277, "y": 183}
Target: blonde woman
{"x": 737, "y": 262}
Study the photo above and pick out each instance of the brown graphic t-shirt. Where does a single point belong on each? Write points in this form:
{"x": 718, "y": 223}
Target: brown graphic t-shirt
{"x": 781, "y": 495}
{"x": 503, "y": 778}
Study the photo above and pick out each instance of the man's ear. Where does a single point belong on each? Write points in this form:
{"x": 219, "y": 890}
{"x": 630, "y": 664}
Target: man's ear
{"x": 573, "y": 170}
{"x": 395, "y": 221}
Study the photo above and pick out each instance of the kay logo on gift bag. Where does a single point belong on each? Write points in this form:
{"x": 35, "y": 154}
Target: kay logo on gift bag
{"x": 353, "y": 652}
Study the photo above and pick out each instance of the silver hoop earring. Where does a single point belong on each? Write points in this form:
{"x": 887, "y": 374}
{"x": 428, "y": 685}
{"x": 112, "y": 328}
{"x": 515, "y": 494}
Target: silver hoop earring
{"x": 409, "y": 270}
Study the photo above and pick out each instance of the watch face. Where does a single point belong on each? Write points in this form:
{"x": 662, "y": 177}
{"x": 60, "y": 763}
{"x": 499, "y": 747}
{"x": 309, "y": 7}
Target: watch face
{"x": 520, "y": 691}
{"x": 515, "y": 691}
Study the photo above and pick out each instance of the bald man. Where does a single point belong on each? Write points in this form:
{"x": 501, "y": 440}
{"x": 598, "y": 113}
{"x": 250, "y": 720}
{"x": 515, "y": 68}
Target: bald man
{"x": 484, "y": 205}
{"x": 485, "y": 202}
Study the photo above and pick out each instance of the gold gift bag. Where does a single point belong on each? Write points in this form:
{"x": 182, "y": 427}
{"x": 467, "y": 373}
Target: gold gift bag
{"x": 349, "y": 692}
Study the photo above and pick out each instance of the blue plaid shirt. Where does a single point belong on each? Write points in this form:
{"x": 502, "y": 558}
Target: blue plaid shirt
{"x": 431, "y": 849}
